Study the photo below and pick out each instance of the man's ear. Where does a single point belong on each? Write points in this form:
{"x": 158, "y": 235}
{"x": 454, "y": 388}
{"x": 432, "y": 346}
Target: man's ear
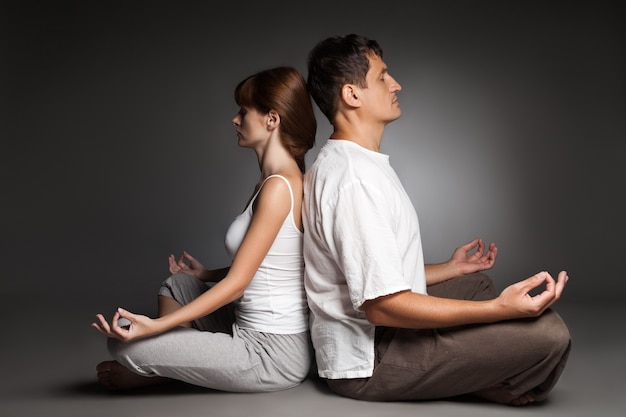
{"x": 350, "y": 96}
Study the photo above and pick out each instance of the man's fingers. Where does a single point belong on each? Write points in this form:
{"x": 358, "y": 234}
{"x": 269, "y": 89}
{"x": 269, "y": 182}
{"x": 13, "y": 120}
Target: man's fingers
{"x": 553, "y": 289}
{"x": 550, "y": 284}
{"x": 560, "y": 283}
{"x": 533, "y": 282}
{"x": 481, "y": 246}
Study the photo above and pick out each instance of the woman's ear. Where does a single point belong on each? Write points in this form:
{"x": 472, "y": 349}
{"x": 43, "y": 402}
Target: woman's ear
{"x": 273, "y": 119}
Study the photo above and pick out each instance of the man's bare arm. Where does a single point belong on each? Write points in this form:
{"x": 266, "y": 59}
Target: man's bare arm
{"x": 417, "y": 311}
{"x": 466, "y": 259}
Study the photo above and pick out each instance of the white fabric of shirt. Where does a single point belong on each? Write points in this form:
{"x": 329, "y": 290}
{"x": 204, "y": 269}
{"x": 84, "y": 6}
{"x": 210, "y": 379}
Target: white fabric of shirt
{"x": 361, "y": 241}
{"x": 275, "y": 301}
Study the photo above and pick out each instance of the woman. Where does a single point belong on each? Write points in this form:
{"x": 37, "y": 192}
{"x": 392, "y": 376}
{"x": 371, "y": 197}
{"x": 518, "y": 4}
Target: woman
{"x": 248, "y": 331}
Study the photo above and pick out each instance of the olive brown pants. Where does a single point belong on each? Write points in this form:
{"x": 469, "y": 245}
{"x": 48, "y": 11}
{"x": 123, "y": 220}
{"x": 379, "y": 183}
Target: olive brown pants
{"x": 518, "y": 356}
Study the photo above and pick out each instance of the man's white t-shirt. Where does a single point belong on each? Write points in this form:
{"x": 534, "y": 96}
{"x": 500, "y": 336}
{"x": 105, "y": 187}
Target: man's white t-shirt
{"x": 361, "y": 241}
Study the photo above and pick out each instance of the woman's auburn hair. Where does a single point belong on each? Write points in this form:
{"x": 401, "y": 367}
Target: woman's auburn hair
{"x": 283, "y": 90}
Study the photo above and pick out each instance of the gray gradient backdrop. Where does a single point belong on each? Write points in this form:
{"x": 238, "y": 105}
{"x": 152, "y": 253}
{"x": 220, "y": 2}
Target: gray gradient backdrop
{"x": 118, "y": 148}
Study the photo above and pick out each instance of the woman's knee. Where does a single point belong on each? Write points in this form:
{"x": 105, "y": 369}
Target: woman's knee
{"x": 182, "y": 287}
{"x": 176, "y": 281}
{"x": 120, "y": 350}
{"x": 130, "y": 354}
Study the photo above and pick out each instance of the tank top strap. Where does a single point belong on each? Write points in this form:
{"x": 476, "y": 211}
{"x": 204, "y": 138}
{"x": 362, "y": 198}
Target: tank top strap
{"x": 288, "y": 186}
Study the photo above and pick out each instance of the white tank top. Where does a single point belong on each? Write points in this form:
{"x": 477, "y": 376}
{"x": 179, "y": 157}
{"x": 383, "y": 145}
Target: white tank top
{"x": 275, "y": 301}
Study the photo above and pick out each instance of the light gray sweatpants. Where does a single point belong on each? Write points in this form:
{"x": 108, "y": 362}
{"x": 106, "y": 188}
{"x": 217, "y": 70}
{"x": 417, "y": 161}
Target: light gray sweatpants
{"x": 216, "y": 353}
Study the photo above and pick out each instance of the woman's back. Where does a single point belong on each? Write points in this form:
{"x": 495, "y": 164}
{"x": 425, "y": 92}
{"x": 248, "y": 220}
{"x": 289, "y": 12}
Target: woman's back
{"x": 275, "y": 300}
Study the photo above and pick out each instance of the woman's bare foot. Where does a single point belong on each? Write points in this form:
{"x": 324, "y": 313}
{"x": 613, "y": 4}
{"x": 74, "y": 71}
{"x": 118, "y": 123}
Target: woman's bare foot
{"x": 116, "y": 377}
{"x": 499, "y": 395}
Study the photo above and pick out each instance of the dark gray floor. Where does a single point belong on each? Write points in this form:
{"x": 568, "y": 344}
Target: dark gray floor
{"x": 49, "y": 353}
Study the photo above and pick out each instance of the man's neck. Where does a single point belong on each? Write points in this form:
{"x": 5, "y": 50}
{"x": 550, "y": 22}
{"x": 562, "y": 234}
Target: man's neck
{"x": 364, "y": 139}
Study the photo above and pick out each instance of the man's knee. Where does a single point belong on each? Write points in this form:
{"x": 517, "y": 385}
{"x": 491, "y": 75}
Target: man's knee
{"x": 554, "y": 330}
{"x": 475, "y": 286}
{"x": 479, "y": 279}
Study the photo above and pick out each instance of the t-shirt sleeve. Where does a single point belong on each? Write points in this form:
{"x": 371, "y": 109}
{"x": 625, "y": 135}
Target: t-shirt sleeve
{"x": 364, "y": 243}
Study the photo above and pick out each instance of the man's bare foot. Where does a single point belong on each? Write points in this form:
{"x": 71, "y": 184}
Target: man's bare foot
{"x": 523, "y": 399}
{"x": 499, "y": 395}
{"x": 116, "y": 377}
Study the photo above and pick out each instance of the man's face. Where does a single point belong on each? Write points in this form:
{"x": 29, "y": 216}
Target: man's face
{"x": 379, "y": 98}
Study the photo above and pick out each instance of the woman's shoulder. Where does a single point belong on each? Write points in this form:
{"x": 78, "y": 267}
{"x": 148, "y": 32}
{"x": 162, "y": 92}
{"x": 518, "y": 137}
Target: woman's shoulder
{"x": 282, "y": 193}
{"x": 282, "y": 180}
{"x": 281, "y": 187}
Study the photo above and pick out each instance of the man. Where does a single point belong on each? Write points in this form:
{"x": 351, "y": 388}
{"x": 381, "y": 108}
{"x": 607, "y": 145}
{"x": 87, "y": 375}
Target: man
{"x": 385, "y": 326}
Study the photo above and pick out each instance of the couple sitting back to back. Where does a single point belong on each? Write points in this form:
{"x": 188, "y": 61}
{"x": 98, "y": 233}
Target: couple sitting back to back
{"x": 334, "y": 257}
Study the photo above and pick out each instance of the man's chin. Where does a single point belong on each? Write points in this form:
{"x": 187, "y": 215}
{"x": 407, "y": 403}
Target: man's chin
{"x": 396, "y": 117}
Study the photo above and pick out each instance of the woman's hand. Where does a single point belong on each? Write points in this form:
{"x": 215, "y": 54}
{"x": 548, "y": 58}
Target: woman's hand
{"x": 139, "y": 326}
{"x": 480, "y": 260}
{"x": 189, "y": 265}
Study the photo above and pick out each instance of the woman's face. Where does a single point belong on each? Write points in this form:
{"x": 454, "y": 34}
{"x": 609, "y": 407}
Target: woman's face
{"x": 251, "y": 127}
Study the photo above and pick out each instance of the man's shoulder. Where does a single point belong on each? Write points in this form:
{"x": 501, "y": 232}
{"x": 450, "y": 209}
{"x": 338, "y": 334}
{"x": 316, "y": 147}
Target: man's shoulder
{"x": 344, "y": 157}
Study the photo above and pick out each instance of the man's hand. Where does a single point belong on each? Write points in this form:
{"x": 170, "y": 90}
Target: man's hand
{"x": 518, "y": 302}
{"x": 480, "y": 260}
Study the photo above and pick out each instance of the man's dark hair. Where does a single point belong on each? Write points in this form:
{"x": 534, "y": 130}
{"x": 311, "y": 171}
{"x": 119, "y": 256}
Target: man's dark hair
{"x": 335, "y": 62}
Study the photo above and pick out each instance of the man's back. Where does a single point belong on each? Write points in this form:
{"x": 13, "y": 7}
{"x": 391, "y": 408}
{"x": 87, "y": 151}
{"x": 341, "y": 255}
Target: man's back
{"x": 355, "y": 209}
